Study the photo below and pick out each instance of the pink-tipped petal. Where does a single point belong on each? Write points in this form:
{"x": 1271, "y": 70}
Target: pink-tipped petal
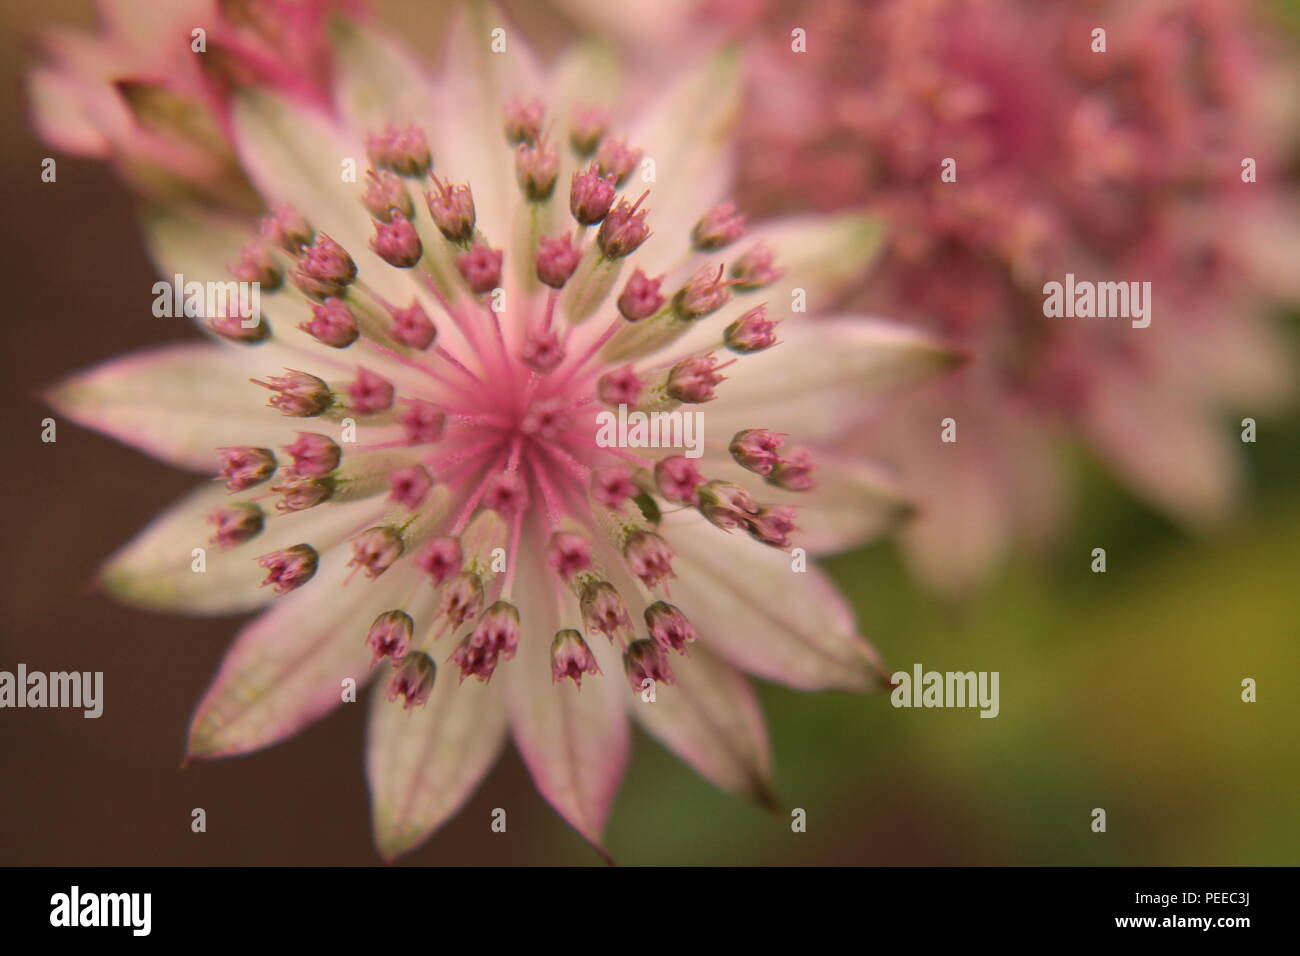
{"x": 820, "y": 379}
{"x": 774, "y": 621}
{"x": 156, "y": 569}
{"x": 574, "y": 741}
{"x": 423, "y": 763}
{"x": 287, "y": 668}
{"x": 711, "y": 719}
{"x": 174, "y": 403}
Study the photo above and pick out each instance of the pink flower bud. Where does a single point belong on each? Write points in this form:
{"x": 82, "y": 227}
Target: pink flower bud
{"x": 233, "y": 329}
{"x": 332, "y": 323}
{"x": 243, "y": 467}
{"x": 474, "y": 660}
{"x": 622, "y": 386}
{"x": 613, "y": 486}
{"x": 569, "y": 554}
{"x": 369, "y": 393}
{"x": 668, "y": 626}
{"x": 795, "y": 472}
{"x": 403, "y": 149}
{"x": 523, "y": 121}
{"x": 546, "y": 418}
{"x": 727, "y": 505}
{"x": 693, "y": 379}
{"x": 543, "y": 351}
{"x": 587, "y": 126}
{"x": 614, "y": 158}
{"x": 441, "y": 559}
{"x": 571, "y": 657}
{"x": 413, "y": 328}
{"x": 536, "y": 167}
{"x": 462, "y": 598}
{"x": 645, "y": 661}
{"x": 752, "y": 332}
{"x": 375, "y": 549}
{"x": 498, "y": 628}
{"x": 390, "y": 635}
{"x": 413, "y": 680}
{"x": 285, "y": 227}
{"x": 506, "y": 494}
{"x": 757, "y": 450}
{"x": 623, "y": 230}
{"x": 648, "y": 557}
{"x": 298, "y": 394}
{"x": 290, "y": 568}
{"x": 256, "y": 264}
{"x": 557, "y": 257}
{"x": 396, "y": 241}
{"x": 719, "y": 227}
{"x": 640, "y": 298}
{"x": 772, "y": 526}
{"x": 603, "y": 611}
{"x": 677, "y": 477}
{"x": 314, "y": 456}
{"x": 235, "y": 523}
{"x": 386, "y": 194}
{"x": 452, "y": 209}
{"x": 324, "y": 269}
{"x": 756, "y": 268}
{"x": 704, "y": 293}
{"x": 480, "y": 267}
{"x": 424, "y": 422}
{"x": 299, "y": 494}
{"x": 495, "y": 636}
{"x": 409, "y": 486}
{"x": 590, "y": 196}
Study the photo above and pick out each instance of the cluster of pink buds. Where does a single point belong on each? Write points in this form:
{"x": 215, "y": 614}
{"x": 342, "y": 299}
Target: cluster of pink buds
{"x": 501, "y": 417}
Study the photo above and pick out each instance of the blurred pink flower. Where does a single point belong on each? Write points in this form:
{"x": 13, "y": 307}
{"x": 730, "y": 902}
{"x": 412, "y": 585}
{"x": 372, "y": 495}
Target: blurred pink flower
{"x": 441, "y": 307}
{"x": 151, "y": 91}
{"x": 1118, "y": 165}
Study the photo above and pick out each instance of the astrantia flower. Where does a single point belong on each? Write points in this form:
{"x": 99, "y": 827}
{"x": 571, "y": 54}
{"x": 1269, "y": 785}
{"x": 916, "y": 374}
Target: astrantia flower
{"x": 1115, "y": 166}
{"x": 418, "y": 433}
